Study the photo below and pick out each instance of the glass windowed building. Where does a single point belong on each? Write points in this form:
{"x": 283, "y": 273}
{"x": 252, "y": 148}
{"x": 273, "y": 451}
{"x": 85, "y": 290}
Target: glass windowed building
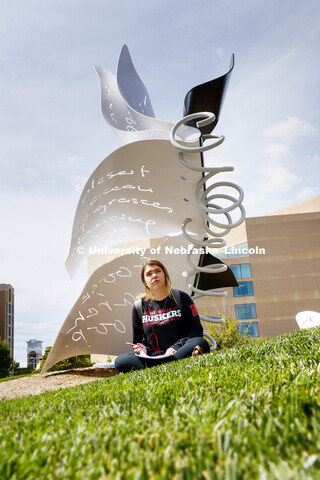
{"x": 276, "y": 260}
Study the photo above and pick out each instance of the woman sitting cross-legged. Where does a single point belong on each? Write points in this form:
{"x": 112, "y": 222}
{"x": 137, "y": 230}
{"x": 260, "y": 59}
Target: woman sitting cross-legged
{"x": 162, "y": 323}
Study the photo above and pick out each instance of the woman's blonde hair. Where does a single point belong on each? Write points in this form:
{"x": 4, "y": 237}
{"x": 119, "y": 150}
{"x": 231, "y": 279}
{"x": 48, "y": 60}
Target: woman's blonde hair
{"x": 166, "y": 276}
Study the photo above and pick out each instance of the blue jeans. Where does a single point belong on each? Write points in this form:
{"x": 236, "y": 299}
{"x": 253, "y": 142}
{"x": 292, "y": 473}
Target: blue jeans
{"x": 126, "y": 362}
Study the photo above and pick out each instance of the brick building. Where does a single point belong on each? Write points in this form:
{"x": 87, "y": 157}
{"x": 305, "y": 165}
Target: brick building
{"x": 7, "y": 314}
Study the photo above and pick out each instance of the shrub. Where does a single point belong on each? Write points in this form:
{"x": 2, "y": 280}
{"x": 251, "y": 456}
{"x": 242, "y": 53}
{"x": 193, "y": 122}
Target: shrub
{"x": 81, "y": 361}
{"x": 226, "y": 334}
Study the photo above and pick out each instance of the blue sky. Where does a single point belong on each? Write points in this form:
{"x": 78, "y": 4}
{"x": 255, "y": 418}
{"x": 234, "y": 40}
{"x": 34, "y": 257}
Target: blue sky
{"x": 52, "y": 134}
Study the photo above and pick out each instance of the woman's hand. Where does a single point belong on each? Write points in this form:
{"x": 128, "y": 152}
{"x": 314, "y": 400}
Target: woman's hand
{"x": 171, "y": 350}
{"x": 138, "y": 348}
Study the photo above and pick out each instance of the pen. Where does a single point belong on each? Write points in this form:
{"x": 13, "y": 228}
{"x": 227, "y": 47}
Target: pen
{"x": 135, "y": 344}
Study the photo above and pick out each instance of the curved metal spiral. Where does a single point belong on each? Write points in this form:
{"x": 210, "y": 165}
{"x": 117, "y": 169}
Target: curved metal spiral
{"x": 208, "y": 209}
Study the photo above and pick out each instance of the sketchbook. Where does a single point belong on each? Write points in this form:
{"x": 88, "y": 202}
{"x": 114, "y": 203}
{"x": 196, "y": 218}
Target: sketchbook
{"x": 153, "y": 357}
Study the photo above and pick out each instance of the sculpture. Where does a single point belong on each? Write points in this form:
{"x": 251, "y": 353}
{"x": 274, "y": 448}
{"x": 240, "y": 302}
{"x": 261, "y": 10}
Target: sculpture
{"x": 125, "y": 203}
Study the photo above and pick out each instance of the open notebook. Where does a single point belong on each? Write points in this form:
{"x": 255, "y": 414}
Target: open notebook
{"x": 153, "y": 357}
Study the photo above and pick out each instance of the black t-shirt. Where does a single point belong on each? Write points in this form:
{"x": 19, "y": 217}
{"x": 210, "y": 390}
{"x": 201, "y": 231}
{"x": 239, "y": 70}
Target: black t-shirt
{"x": 164, "y": 324}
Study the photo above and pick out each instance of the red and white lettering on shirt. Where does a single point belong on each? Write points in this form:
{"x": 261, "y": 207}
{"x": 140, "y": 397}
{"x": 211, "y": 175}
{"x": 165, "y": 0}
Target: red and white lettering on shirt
{"x": 194, "y": 310}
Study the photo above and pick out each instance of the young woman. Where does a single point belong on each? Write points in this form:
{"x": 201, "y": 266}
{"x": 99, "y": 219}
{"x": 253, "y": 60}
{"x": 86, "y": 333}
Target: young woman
{"x": 163, "y": 322}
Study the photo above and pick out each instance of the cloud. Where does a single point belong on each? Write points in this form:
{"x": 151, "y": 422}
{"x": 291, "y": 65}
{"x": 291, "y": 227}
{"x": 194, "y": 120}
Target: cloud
{"x": 290, "y": 131}
{"x": 306, "y": 192}
{"x": 277, "y": 178}
{"x": 74, "y": 161}
{"x": 78, "y": 182}
{"x": 285, "y": 135}
{"x": 40, "y": 329}
{"x": 277, "y": 150}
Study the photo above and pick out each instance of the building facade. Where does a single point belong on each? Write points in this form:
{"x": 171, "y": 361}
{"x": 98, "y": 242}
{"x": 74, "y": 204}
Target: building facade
{"x": 276, "y": 260}
{"x": 34, "y": 352}
{"x": 7, "y": 315}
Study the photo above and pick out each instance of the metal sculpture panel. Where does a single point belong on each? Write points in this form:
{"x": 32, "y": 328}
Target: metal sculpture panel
{"x": 208, "y": 97}
{"x": 139, "y": 192}
{"x": 130, "y": 85}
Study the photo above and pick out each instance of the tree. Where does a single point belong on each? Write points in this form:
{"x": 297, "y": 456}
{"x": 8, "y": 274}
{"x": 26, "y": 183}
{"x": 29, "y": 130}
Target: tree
{"x": 5, "y": 359}
{"x": 16, "y": 367}
{"x": 81, "y": 361}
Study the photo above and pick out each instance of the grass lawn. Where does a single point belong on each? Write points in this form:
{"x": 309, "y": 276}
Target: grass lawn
{"x": 250, "y": 412}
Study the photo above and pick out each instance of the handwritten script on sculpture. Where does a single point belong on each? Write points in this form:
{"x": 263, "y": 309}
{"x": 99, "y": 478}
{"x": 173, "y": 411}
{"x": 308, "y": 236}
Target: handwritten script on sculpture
{"x": 89, "y": 317}
{"x": 139, "y": 192}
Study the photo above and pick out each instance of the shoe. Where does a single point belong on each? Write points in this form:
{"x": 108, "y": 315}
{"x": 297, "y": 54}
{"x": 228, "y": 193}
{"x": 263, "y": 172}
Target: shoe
{"x": 197, "y": 351}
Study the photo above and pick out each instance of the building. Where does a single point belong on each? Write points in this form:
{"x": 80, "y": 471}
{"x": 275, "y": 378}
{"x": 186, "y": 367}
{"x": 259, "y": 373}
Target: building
{"x": 7, "y": 314}
{"x": 34, "y": 352}
{"x": 276, "y": 260}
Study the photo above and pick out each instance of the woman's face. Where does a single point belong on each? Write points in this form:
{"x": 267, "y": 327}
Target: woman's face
{"x": 154, "y": 278}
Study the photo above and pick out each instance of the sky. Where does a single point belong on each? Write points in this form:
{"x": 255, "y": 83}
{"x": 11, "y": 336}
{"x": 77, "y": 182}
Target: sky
{"x": 52, "y": 133}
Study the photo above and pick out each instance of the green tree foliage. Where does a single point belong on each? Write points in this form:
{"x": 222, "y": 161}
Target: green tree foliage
{"x": 5, "y": 359}
{"x": 226, "y": 334}
{"x": 16, "y": 368}
{"x": 81, "y": 361}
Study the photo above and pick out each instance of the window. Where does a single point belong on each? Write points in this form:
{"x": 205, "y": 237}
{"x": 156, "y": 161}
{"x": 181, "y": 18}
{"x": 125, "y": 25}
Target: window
{"x": 246, "y": 311}
{"x": 32, "y": 358}
{"x": 249, "y": 329}
{"x": 241, "y": 271}
{"x": 9, "y": 331}
{"x": 245, "y": 289}
{"x": 9, "y": 294}
{"x": 240, "y": 250}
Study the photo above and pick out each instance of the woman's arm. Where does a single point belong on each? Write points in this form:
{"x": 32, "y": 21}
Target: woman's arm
{"x": 137, "y": 333}
{"x": 193, "y": 327}
{"x": 191, "y": 320}
{"x": 191, "y": 316}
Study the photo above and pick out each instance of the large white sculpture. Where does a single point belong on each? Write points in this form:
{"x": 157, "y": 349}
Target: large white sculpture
{"x": 150, "y": 188}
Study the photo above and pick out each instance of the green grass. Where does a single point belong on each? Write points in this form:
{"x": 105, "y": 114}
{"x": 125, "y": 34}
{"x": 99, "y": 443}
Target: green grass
{"x": 249, "y": 412}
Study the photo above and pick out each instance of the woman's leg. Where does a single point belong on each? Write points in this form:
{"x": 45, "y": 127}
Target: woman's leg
{"x": 187, "y": 349}
{"x": 126, "y": 362}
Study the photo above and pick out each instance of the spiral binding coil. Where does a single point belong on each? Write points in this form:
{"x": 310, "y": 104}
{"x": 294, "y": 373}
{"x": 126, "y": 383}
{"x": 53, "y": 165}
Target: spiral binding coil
{"x": 207, "y": 208}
